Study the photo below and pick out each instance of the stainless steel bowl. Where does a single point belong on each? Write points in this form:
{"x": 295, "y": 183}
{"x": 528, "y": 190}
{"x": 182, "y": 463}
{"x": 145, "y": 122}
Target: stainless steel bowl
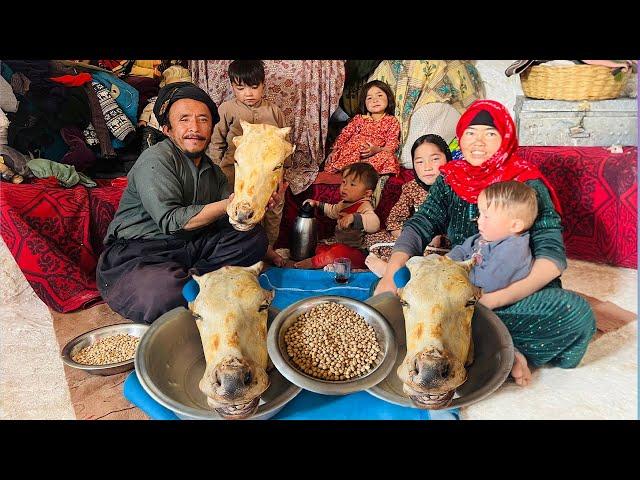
{"x": 170, "y": 363}
{"x": 493, "y": 355}
{"x": 92, "y": 336}
{"x": 278, "y": 351}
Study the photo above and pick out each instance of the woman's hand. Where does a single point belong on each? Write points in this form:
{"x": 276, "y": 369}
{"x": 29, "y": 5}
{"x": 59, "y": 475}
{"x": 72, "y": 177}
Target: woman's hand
{"x": 282, "y": 187}
{"x": 542, "y": 272}
{"x": 386, "y": 284}
{"x": 229, "y": 200}
{"x": 492, "y": 300}
{"x": 436, "y": 242}
{"x": 345, "y": 220}
{"x": 313, "y": 203}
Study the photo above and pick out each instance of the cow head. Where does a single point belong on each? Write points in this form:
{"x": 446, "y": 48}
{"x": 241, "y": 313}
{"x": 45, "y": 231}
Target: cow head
{"x": 231, "y": 312}
{"x": 438, "y": 303}
{"x": 259, "y": 158}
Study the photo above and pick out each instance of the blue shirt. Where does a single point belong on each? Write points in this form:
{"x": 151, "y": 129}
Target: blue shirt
{"x": 499, "y": 263}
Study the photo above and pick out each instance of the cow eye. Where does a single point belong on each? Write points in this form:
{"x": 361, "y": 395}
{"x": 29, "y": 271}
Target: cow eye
{"x": 262, "y": 307}
{"x": 197, "y": 316}
{"x": 472, "y": 302}
{"x": 277, "y": 167}
{"x": 403, "y": 303}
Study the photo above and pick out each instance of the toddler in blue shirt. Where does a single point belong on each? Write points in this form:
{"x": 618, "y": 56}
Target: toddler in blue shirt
{"x": 501, "y": 248}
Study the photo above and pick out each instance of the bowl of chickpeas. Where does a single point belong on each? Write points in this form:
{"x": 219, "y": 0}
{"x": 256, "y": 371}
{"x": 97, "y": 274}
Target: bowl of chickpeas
{"x": 106, "y": 350}
{"x": 332, "y": 345}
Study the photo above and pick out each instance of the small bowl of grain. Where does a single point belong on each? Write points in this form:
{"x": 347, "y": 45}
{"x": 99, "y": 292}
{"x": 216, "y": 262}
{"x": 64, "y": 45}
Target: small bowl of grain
{"x": 105, "y": 350}
{"x": 332, "y": 345}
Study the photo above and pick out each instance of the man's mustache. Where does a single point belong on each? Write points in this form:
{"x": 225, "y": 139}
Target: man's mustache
{"x": 197, "y": 137}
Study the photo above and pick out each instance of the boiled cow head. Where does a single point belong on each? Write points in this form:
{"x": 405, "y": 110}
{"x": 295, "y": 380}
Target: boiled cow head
{"x": 231, "y": 312}
{"x": 438, "y": 303}
{"x": 259, "y": 166}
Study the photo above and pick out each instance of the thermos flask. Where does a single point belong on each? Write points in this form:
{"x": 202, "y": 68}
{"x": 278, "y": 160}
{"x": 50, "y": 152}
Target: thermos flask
{"x": 304, "y": 234}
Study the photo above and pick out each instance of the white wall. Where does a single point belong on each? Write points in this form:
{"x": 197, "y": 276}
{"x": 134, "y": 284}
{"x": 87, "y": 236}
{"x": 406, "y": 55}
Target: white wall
{"x": 497, "y": 85}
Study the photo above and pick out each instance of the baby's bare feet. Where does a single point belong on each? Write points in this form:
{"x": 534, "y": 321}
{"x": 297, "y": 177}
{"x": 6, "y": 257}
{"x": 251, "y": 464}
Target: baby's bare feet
{"x": 520, "y": 370}
{"x": 375, "y": 264}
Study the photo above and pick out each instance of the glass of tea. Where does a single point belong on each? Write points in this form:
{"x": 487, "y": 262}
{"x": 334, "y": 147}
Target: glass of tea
{"x": 342, "y": 270}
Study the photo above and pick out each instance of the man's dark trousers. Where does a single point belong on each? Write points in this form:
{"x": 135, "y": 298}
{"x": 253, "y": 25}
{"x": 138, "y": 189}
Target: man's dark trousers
{"x": 142, "y": 279}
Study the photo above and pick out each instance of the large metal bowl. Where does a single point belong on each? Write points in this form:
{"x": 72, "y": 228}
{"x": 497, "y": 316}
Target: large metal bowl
{"x": 92, "y": 336}
{"x": 278, "y": 350}
{"x": 493, "y": 355}
{"x": 170, "y": 363}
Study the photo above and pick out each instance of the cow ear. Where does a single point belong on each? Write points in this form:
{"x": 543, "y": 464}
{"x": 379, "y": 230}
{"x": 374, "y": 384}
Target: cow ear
{"x": 237, "y": 140}
{"x": 246, "y": 126}
{"x": 413, "y": 262}
{"x": 477, "y": 292}
{"x": 283, "y": 132}
{"x": 256, "y": 268}
{"x": 468, "y": 264}
{"x": 268, "y": 295}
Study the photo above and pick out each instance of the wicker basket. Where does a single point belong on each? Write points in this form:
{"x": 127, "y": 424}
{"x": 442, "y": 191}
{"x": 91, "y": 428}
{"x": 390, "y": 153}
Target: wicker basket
{"x": 578, "y": 82}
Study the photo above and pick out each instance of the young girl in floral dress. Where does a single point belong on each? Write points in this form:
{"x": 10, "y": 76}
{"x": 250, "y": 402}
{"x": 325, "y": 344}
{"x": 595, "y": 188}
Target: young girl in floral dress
{"x": 371, "y": 136}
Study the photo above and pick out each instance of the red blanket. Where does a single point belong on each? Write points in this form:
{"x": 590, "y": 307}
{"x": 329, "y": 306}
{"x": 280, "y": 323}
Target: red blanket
{"x": 55, "y": 234}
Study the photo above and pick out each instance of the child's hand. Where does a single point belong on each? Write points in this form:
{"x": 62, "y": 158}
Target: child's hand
{"x": 345, "y": 220}
{"x": 368, "y": 150}
{"x": 273, "y": 200}
{"x": 313, "y": 203}
{"x": 282, "y": 187}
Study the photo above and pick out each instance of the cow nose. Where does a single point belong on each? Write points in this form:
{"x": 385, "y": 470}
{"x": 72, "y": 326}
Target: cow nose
{"x": 431, "y": 373}
{"x": 231, "y": 383}
{"x": 244, "y": 216}
{"x": 244, "y": 212}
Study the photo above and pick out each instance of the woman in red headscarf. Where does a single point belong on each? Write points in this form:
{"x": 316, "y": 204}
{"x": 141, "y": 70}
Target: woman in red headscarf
{"x": 547, "y": 324}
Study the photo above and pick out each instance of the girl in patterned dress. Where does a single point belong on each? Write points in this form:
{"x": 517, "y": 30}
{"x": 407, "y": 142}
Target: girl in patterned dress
{"x": 371, "y": 136}
{"x": 429, "y": 153}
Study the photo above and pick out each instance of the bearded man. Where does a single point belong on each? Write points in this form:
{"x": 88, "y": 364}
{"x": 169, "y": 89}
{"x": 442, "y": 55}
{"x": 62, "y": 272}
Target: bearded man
{"x": 171, "y": 221}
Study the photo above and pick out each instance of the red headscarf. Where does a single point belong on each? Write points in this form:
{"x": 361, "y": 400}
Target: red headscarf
{"x": 468, "y": 181}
